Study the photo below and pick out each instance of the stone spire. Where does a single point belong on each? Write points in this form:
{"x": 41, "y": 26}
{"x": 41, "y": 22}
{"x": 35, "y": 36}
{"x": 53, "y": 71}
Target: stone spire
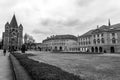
{"x": 20, "y": 27}
{"x": 13, "y": 22}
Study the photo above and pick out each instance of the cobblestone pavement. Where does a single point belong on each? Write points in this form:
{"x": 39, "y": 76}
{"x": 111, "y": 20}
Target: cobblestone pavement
{"x": 5, "y": 70}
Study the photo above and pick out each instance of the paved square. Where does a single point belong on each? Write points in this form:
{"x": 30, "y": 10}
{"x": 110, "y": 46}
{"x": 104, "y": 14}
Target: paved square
{"x": 5, "y": 70}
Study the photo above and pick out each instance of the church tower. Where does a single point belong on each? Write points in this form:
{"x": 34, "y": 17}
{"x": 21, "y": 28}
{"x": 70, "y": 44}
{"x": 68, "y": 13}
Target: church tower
{"x": 6, "y": 36}
{"x": 12, "y": 37}
{"x": 20, "y": 35}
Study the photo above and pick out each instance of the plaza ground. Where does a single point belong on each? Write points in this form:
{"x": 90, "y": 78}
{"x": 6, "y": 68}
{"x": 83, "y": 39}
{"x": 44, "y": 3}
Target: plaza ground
{"x": 88, "y": 66}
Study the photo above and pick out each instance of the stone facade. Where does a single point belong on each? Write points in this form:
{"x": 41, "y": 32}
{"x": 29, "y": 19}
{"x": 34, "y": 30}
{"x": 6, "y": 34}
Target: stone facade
{"x": 104, "y": 39}
{"x": 13, "y": 35}
{"x": 59, "y": 43}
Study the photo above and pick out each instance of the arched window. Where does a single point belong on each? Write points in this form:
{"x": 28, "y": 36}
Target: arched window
{"x": 102, "y": 40}
{"x": 113, "y": 40}
{"x": 60, "y": 48}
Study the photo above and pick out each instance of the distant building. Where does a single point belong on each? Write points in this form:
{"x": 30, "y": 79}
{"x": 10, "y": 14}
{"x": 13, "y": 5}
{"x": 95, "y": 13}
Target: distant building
{"x": 59, "y": 43}
{"x": 103, "y": 39}
{"x": 38, "y": 46}
{"x": 13, "y": 35}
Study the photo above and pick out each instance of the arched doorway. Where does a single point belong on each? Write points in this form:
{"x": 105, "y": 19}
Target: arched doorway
{"x": 112, "y": 49}
{"x": 55, "y": 48}
{"x": 100, "y": 49}
{"x": 92, "y": 49}
{"x": 39, "y": 48}
{"x": 96, "y": 49}
{"x": 60, "y": 48}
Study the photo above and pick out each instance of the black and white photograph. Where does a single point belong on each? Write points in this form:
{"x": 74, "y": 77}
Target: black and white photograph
{"x": 59, "y": 39}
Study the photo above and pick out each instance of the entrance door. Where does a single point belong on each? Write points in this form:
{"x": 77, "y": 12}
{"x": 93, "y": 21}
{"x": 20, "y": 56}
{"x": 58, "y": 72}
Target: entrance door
{"x": 60, "y": 48}
{"x": 96, "y": 49}
{"x": 92, "y": 49}
{"x": 112, "y": 49}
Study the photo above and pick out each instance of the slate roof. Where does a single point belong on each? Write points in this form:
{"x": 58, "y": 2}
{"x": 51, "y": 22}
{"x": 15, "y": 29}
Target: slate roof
{"x": 103, "y": 28}
{"x": 87, "y": 33}
{"x": 61, "y": 37}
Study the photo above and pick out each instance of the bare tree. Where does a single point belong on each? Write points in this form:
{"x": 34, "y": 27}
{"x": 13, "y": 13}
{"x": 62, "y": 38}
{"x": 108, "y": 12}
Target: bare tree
{"x": 28, "y": 40}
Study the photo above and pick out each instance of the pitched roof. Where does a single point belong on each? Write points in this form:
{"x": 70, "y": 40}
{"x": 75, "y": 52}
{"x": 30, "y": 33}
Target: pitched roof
{"x": 72, "y": 37}
{"x": 104, "y": 27}
{"x": 13, "y": 22}
{"x": 116, "y": 26}
{"x": 20, "y": 26}
{"x": 87, "y": 33}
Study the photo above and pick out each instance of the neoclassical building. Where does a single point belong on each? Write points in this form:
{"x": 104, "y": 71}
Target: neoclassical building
{"x": 59, "y": 43}
{"x": 103, "y": 39}
{"x": 13, "y": 35}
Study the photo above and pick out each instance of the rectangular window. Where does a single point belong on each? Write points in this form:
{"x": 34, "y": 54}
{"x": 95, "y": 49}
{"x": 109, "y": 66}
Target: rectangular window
{"x": 102, "y": 35}
{"x": 113, "y": 34}
{"x": 97, "y": 35}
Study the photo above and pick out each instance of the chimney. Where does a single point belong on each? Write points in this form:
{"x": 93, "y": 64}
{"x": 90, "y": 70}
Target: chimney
{"x": 109, "y": 23}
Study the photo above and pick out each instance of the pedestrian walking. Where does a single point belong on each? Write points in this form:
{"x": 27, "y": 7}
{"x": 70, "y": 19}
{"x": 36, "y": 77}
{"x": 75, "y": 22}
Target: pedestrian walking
{"x": 4, "y": 52}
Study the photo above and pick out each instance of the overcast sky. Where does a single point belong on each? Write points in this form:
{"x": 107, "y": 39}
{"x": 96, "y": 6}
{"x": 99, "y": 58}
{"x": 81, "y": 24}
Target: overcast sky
{"x": 42, "y": 18}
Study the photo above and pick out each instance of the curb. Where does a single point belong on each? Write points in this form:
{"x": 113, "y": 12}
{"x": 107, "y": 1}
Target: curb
{"x": 18, "y": 71}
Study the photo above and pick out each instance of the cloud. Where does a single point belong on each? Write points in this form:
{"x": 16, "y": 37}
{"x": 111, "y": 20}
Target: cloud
{"x": 66, "y": 23}
{"x": 84, "y": 3}
{"x": 40, "y": 32}
{"x": 42, "y": 18}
